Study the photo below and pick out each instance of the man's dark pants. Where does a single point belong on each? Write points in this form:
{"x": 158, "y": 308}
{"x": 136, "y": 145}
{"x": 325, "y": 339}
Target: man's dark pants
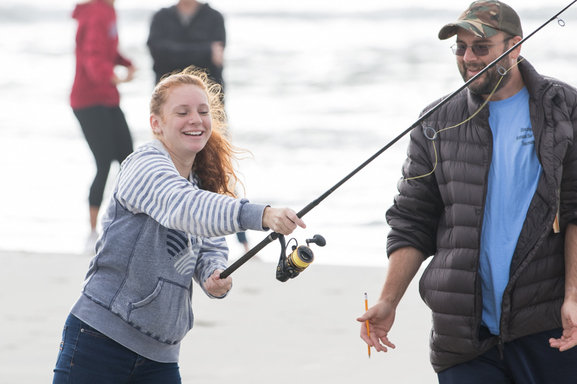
{"x": 527, "y": 360}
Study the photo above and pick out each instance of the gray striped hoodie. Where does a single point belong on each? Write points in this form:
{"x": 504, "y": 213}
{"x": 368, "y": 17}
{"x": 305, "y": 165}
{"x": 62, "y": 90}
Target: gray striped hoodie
{"x": 160, "y": 231}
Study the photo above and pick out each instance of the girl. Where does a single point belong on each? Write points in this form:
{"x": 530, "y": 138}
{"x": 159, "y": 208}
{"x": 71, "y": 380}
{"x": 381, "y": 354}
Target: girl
{"x": 170, "y": 207}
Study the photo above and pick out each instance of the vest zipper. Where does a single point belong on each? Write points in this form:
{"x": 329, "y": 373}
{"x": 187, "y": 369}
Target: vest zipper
{"x": 501, "y": 347}
{"x": 516, "y": 262}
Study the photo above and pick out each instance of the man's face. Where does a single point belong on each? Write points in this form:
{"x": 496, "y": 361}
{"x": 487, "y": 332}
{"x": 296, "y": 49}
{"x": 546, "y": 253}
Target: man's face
{"x": 470, "y": 64}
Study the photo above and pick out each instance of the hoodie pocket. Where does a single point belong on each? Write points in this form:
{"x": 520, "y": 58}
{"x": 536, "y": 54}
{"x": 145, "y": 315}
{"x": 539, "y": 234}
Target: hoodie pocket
{"x": 165, "y": 315}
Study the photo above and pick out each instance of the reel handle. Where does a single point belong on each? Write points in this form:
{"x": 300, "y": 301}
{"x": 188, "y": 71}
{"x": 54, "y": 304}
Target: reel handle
{"x": 318, "y": 240}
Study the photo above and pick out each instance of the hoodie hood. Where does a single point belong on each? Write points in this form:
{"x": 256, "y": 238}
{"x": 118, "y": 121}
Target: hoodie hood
{"x": 83, "y": 10}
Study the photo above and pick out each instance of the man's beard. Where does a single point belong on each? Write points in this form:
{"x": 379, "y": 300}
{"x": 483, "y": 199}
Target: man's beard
{"x": 488, "y": 80}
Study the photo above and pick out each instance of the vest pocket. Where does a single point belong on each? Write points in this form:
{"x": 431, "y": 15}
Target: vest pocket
{"x": 165, "y": 315}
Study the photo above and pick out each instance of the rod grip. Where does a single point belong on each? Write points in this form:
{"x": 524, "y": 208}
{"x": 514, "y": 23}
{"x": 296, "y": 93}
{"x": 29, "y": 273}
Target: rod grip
{"x": 234, "y": 266}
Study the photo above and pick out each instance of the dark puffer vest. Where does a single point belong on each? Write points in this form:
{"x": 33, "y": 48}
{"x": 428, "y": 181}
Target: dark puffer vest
{"x": 442, "y": 215}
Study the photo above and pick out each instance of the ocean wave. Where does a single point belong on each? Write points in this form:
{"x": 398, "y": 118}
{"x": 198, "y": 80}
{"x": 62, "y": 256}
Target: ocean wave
{"x": 31, "y": 14}
{"x": 313, "y": 138}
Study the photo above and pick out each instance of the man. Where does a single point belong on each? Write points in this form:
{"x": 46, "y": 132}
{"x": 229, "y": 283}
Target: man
{"x": 498, "y": 214}
{"x": 188, "y": 33}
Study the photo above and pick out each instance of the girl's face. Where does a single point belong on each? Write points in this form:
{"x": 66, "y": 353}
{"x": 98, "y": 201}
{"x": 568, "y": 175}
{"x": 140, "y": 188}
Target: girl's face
{"x": 187, "y": 123}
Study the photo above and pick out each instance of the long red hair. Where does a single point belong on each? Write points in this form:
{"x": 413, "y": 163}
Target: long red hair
{"x": 213, "y": 165}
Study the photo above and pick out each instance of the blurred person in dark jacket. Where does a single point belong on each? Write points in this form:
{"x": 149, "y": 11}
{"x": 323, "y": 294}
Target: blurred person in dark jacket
{"x": 188, "y": 33}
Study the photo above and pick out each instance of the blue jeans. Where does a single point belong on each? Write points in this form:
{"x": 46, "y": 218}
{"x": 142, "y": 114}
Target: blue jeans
{"x": 526, "y": 360}
{"x": 88, "y": 357}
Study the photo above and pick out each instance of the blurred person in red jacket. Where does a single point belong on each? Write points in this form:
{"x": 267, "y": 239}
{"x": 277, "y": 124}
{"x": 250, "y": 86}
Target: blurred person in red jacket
{"x": 95, "y": 99}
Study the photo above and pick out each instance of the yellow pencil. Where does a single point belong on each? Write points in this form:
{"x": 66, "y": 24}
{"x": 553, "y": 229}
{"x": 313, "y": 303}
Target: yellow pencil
{"x": 367, "y": 323}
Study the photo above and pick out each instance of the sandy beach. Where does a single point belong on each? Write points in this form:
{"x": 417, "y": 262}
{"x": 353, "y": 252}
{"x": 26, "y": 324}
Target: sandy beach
{"x": 264, "y": 332}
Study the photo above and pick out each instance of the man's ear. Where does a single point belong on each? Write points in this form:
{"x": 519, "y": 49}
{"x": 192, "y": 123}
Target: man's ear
{"x": 517, "y": 52}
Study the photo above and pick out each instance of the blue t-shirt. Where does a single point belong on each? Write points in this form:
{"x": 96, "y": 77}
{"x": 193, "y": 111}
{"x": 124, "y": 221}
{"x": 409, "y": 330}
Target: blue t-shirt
{"x": 513, "y": 177}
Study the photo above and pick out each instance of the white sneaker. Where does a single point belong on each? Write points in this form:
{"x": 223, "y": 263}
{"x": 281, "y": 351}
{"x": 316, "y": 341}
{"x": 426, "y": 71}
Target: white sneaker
{"x": 90, "y": 244}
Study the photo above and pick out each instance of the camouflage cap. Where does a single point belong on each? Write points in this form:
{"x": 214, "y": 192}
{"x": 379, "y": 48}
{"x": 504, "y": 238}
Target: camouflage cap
{"x": 485, "y": 19}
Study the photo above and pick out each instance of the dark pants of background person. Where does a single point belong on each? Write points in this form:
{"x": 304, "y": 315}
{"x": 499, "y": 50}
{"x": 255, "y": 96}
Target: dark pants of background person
{"x": 527, "y": 360}
{"x": 241, "y": 236}
{"x": 108, "y": 137}
{"x": 88, "y": 357}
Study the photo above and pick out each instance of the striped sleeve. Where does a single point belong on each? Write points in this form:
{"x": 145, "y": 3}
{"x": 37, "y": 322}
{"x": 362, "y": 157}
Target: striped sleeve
{"x": 213, "y": 255}
{"x": 149, "y": 183}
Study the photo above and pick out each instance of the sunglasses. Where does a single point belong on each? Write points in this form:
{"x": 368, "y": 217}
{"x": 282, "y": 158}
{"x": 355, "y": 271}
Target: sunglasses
{"x": 459, "y": 49}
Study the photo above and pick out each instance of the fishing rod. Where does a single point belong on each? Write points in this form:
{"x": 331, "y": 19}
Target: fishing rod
{"x": 274, "y": 235}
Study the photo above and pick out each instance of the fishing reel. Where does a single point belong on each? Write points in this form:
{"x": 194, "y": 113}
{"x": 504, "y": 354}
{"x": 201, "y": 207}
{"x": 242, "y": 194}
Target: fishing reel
{"x": 290, "y": 266}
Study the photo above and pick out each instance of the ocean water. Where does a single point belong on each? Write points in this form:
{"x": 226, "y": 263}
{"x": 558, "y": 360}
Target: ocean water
{"x": 314, "y": 88}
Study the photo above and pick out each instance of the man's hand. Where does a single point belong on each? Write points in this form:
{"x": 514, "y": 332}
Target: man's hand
{"x": 569, "y": 318}
{"x": 569, "y": 309}
{"x": 381, "y": 317}
{"x": 403, "y": 266}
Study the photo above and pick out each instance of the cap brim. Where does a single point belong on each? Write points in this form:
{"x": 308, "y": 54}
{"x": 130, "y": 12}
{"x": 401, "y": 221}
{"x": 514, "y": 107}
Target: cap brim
{"x": 448, "y": 31}
{"x": 478, "y": 29}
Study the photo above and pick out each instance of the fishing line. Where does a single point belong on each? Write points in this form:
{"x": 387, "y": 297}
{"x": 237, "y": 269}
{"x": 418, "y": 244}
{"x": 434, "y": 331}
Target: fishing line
{"x": 502, "y": 71}
{"x": 274, "y": 235}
